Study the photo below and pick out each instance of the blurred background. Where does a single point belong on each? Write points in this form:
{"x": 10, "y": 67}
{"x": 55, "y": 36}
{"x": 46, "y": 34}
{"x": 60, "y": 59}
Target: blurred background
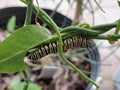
{"x": 91, "y": 14}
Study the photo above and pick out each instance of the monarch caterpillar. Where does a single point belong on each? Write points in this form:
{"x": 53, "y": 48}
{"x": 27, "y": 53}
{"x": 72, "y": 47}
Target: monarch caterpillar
{"x": 43, "y": 50}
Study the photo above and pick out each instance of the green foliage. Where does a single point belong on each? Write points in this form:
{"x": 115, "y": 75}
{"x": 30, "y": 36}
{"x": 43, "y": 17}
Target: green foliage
{"x": 14, "y": 48}
{"x": 119, "y": 3}
{"x": 16, "y": 84}
{"x": 16, "y": 80}
{"x": 11, "y": 24}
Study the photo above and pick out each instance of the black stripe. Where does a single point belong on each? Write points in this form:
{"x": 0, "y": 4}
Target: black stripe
{"x": 32, "y": 56}
{"x": 39, "y": 52}
{"x": 46, "y": 50}
{"x": 43, "y": 51}
{"x": 54, "y": 46}
{"x": 73, "y": 42}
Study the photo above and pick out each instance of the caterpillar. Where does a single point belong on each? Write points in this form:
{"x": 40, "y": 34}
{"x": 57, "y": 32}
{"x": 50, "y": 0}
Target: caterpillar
{"x": 43, "y": 50}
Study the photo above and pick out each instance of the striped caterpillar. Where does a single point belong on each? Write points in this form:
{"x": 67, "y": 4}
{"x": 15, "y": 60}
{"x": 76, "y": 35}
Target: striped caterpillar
{"x": 43, "y": 50}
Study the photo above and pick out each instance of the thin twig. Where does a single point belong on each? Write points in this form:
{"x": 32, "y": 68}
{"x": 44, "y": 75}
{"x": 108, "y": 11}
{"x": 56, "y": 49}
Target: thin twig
{"x": 78, "y": 12}
{"x": 114, "y": 50}
{"x": 52, "y": 14}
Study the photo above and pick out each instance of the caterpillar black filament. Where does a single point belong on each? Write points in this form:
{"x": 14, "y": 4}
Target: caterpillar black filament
{"x": 43, "y": 50}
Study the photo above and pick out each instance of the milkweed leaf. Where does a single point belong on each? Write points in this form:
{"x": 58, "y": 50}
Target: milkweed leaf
{"x": 11, "y": 24}
{"x": 31, "y": 86}
{"x": 14, "y": 48}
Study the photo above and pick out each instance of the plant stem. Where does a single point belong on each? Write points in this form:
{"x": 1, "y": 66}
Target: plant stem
{"x": 26, "y": 80}
{"x": 60, "y": 48}
{"x": 80, "y": 30}
{"x": 94, "y": 30}
{"x": 109, "y": 37}
{"x": 28, "y": 12}
{"x": 117, "y": 28}
{"x": 79, "y": 71}
{"x": 104, "y": 27}
{"x": 97, "y": 29}
{"x": 42, "y": 18}
{"x": 27, "y": 22}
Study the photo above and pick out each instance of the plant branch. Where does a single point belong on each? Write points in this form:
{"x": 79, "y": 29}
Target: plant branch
{"x": 60, "y": 49}
{"x": 28, "y": 12}
{"x": 54, "y": 26}
{"x": 78, "y": 12}
{"x": 108, "y": 37}
{"x": 80, "y": 30}
{"x": 104, "y": 27}
{"x": 53, "y": 13}
{"x": 99, "y": 6}
{"x": 78, "y": 70}
{"x": 26, "y": 80}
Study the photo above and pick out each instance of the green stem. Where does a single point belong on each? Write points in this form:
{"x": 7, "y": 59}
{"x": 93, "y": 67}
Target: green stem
{"x": 41, "y": 17}
{"x": 60, "y": 48}
{"x": 54, "y": 26}
{"x": 117, "y": 28}
{"x": 27, "y": 22}
{"x": 35, "y": 10}
{"x": 94, "y": 30}
{"x": 104, "y": 27}
{"x": 109, "y": 37}
{"x": 80, "y": 30}
{"x": 28, "y": 12}
{"x": 26, "y": 80}
{"x": 78, "y": 70}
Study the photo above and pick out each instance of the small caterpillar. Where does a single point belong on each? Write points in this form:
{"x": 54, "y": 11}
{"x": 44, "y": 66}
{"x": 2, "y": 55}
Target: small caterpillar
{"x": 43, "y": 50}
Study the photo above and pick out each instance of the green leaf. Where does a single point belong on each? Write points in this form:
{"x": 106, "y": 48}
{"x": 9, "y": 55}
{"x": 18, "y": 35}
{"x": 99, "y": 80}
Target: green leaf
{"x": 119, "y": 3}
{"x": 14, "y": 48}
{"x": 31, "y": 86}
{"x": 16, "y": 84}
{"x": 11, "y": 24}
{"x": 15, "y": 81}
